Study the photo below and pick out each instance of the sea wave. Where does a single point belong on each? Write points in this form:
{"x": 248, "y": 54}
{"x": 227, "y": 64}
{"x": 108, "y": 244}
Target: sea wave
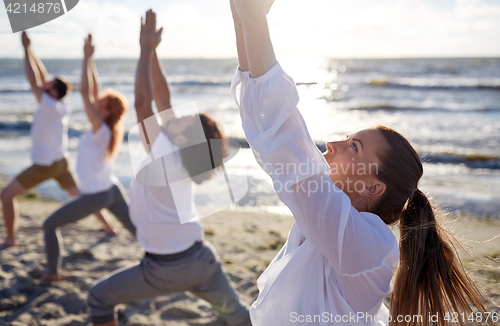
{"x": 17, "y": 125}
{"x": 391, "y": 107}
{"x": 117, "y": 81}
{"x": 470, "y": 159}
{"x": 24, "y": 126}
{"x": 176, "y": 80}
{"x": 430, "y": 83}
{"x": 14, "y": 88}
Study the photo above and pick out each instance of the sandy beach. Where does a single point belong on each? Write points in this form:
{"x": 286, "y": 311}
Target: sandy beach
{"x": 246, "y": 242}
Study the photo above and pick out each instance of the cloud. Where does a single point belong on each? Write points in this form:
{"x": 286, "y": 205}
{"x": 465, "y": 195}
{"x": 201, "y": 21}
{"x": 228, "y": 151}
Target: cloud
{"x": 191, "y": 28}
{"x": 200, "y": 28}
{"x": 197, "y": 31}
{"x": 111, "y": 25}
{"x": 390, "y": 28}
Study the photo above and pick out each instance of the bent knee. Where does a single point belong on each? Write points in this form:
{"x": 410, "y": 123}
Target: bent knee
{"x": 48, "y": 226}
{"x": 6, "y": 195}
{"x": 12, "y": 190}
{"x": 92, "y": 297}
{"x": 97, "y": 297}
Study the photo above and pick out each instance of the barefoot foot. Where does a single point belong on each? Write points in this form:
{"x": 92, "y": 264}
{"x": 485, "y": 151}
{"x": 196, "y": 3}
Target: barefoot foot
{"x": 8, "y": 243}
{"x": 52, "y": 278}
{"x": 110, "y": 230}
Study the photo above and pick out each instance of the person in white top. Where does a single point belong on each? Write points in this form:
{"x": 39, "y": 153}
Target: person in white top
{"x": 49, "y": 134}
{"x": 336, "y": 266}
{"x": 177, "y": 257}
{"x": 96, "y": 153}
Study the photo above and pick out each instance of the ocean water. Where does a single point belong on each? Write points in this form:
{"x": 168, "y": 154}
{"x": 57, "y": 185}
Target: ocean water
{"x": 448, "y": 108}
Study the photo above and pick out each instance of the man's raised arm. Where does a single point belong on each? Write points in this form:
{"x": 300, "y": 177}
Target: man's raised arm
{"x": 31, "y": 68}
{"x": 42, "y": 71}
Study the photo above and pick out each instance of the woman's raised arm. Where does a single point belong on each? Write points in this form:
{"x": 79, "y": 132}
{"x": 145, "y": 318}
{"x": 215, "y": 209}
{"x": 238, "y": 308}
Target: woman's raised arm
{"x": 87, "y": 87}
{"x": 95, "y": 78}
{"x": 240, "y": 39}
{"x": 256, "y": 44}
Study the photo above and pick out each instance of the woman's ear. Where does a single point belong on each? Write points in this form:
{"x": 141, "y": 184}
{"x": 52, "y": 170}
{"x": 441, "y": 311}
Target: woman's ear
{"x": 376, "y": 189}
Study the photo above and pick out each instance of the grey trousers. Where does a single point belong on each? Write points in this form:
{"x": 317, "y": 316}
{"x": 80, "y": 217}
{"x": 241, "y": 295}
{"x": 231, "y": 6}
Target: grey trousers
{"x": 200, "y": 273}
{"x": 114, "y": 199}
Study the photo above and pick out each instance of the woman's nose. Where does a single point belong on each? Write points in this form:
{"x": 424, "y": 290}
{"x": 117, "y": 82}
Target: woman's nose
{"x": 330, "y": 147}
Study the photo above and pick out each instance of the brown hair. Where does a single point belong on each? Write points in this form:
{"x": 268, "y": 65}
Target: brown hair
{"x": 62, "y": 86}
{"x": 193, "y": 156}
{"x": 117, "y": 105}
{"x": 430, "y": 278}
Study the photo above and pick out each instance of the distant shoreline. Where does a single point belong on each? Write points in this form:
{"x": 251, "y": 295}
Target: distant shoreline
{"x": 235, "y": 59}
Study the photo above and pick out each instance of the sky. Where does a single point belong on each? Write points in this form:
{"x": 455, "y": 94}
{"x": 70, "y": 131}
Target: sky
{"x": 325, "y": 28}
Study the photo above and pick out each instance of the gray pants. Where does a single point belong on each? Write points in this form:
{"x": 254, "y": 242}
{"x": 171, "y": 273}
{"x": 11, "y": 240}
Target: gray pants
{"x": 114, "y": 199}
{"x": 200, "y": 273}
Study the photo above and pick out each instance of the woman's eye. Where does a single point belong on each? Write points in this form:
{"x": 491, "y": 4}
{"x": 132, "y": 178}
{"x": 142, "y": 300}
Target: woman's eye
{"x": 353, "y": 145}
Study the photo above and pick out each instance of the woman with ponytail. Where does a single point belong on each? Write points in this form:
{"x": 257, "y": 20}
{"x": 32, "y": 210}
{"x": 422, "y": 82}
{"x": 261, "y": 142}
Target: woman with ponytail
{"x": 96, "y": 153}
{"x": 336, "y": 266}
{"x": 430, "y": 280}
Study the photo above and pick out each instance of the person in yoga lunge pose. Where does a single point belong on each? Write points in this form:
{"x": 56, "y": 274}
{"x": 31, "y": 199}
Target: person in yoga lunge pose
{"x": 97, "y": 150}
{"x": 177, "y": 257}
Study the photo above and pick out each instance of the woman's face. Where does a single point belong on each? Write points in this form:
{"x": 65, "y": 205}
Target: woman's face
{"x": 354, "y": 163}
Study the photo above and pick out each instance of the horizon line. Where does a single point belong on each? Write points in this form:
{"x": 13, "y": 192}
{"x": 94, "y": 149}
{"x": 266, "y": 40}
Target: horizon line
{"x": 291, "y": 55}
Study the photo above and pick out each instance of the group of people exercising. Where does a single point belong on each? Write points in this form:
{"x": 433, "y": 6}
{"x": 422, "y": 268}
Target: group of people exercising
{"x": 340, "y": 253}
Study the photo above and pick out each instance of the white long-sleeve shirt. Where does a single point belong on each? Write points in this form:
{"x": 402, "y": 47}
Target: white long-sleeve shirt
{"x": 336, "y": 266}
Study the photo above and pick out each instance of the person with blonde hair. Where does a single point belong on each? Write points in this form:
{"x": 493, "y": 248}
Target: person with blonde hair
{"x": 97, "y": 150}
{"x": 336, "y": 266}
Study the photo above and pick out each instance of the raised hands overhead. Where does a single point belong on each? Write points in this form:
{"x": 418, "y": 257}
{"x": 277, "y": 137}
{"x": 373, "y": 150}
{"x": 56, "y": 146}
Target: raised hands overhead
{"x": 255, "y": 50}
{"x": 35, "y": 70}
{"x": 89, "y": 87}
{"x": 248, "y": 9}
{"x": 25, "y": 40}
{"x": 88, "y": 48}
{"x": 150, "y": 36}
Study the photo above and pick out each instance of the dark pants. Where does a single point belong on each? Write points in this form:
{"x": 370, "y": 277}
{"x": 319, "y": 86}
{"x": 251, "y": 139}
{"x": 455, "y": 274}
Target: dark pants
{"x": 200, "y": 273}
{"x": 114, "y": 199}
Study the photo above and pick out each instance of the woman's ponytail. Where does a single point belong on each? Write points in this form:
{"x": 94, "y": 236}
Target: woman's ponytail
{"x": 431, "y": 283}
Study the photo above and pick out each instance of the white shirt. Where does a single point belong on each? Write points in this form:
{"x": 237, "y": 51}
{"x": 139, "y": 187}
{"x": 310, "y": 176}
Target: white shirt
{"x": 337, "y": 262}
{"x": 92, "y": 167}
{"x": 49, "y": 131}
{"x": 155, "y": 210}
